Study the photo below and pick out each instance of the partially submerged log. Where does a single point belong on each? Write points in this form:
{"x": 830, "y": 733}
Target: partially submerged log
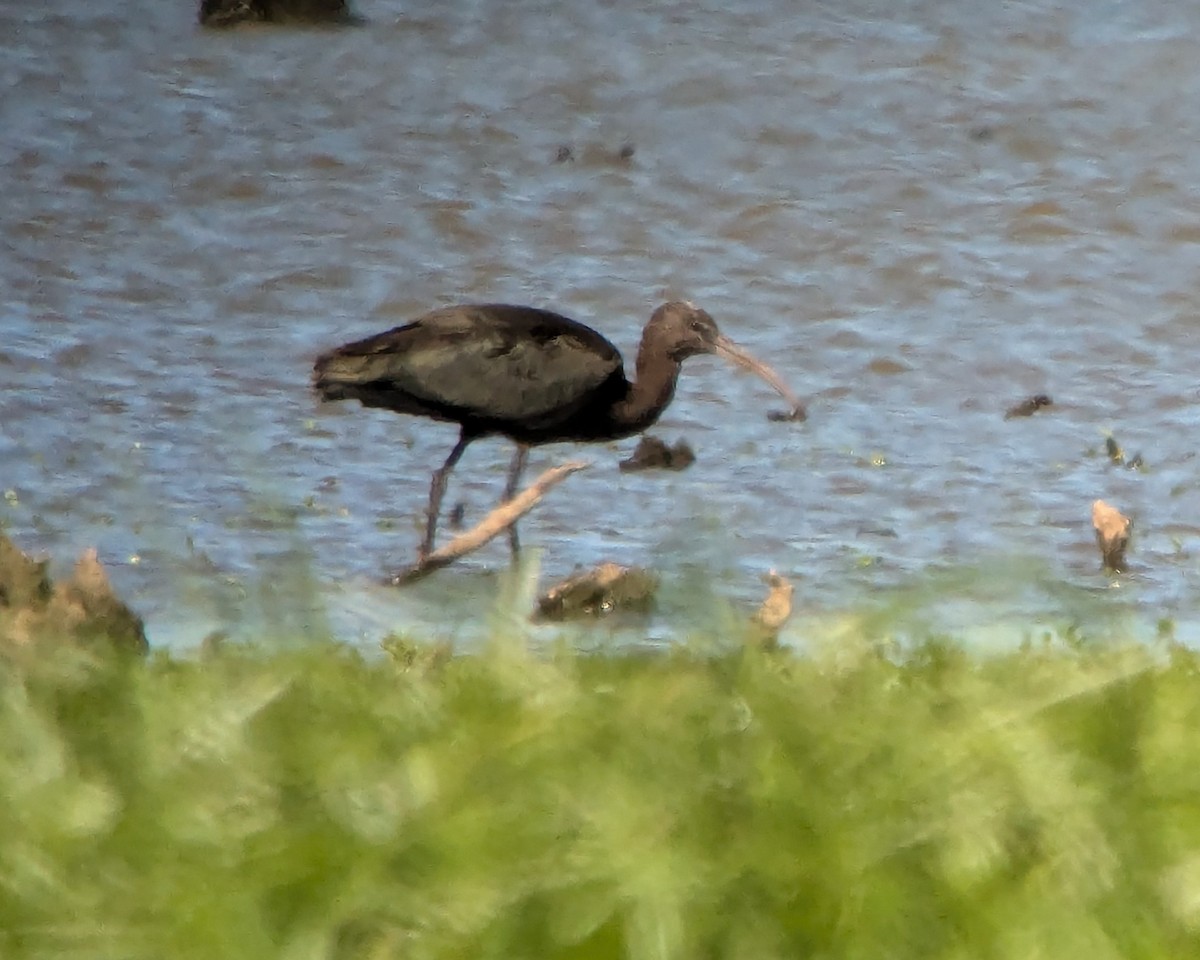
{"x": 496, "y": 522}
{"x": 1112, "y": 535}
{"x": 597, "y": 592}
{"x": 227, "y": 13}
{"x": 652, "y": 453}
{"x": 595, "y": 154}
{"x": 83, "y": 610}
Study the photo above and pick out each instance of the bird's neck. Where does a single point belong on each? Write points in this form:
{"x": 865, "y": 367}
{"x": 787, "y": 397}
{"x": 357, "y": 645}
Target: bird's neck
{"x": 649, "y": 393}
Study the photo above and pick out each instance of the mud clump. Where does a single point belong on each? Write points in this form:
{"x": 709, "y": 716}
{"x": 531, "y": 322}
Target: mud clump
{"x": 598, "y": 592}
{"x": 82, "y": 611}
{"x": 1027, "y": 408}
{"x": 655, "y": 454}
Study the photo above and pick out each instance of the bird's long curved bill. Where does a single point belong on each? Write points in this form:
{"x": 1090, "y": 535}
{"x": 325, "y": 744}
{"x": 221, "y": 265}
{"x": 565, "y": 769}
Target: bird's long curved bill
{"x": 726, "y": 348}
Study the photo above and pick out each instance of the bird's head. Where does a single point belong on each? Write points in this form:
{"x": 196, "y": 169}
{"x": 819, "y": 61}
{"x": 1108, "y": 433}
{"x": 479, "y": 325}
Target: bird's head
{"x": 680, "y": 330}
{"x": 683, "y": 330}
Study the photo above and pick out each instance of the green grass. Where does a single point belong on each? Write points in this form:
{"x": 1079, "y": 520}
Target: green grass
{"x": 699, "y": 803}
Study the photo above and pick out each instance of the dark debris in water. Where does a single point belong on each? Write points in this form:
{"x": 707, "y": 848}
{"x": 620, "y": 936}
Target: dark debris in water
{"x": 595, "y": 154}
{"x": 652, "y": 453}
{"x": 1116, "y": 455}
{"x": 796, "y": 415}
{"x": 1027, "y": 408}
{"x": 228, "y": 13}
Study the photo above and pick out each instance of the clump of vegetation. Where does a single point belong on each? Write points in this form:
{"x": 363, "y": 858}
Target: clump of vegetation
{"x": 856, "y": 800}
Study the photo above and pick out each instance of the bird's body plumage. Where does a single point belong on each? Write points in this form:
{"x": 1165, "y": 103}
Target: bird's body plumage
{"x": 529, "y": 374}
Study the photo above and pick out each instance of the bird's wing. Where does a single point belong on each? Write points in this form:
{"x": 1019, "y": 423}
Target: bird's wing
{"x": 507, "y": 364}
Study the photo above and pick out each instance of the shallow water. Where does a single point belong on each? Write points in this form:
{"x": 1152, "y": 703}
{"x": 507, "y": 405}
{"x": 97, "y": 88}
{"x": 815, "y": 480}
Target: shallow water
{"x": 920, "y": 213}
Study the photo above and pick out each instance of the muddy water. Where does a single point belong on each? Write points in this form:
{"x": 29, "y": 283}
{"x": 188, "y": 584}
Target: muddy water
{"x": 919, "y": 212}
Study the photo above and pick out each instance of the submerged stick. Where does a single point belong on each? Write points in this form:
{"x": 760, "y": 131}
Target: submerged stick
{"x": 495, "y": 523}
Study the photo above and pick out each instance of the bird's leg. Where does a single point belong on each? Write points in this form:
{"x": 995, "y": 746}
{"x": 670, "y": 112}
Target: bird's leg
{"x": 437, "y": 490}
{"x": 515, "y": 469}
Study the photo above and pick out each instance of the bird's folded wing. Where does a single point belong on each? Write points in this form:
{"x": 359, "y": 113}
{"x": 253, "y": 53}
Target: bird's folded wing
{"x": 490, "y": 375}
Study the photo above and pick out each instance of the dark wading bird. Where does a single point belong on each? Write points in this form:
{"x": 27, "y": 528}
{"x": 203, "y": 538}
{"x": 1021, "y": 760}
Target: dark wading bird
{"x": 527, "y": 374}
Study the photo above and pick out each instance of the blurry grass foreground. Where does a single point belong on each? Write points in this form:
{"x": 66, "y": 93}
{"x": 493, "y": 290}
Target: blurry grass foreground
{"x": 310, "y": 803}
